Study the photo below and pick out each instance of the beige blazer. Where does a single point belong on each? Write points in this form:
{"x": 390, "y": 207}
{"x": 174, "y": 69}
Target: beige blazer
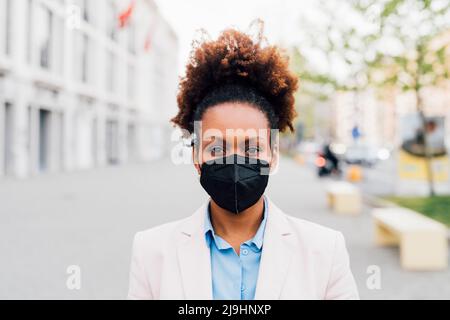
{"x": 300, "y": 260}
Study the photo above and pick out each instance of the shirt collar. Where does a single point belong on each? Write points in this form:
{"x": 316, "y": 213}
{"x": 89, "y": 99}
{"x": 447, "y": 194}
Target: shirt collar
{"x": 210, "y": 235}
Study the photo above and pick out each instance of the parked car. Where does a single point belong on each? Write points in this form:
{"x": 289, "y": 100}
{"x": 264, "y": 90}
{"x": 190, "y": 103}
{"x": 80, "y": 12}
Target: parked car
{"x": 362, "y": 154}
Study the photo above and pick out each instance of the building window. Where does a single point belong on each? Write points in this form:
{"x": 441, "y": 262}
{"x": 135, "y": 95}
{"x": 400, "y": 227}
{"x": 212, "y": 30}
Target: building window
{"x": 82, "y": 55}
{"x": 84, "y": 59}
{"x": 112, "y": 141}
{"x": 29, "y": 28}
{"x": 43, "y": 36}
{"x": 47, "y": 38}
{"x": 58, "y": 45}
{"x": 8, "y": 21}
{"x": 5, "y": 26}
{"x": 44, "y": 139}
{"x": 110, "y": 72}
{"x": 111, "y": 27}
{"x": 132, "y": 38}
{"x": 131, "y": 83}
{"x": 86, "y": 10}
{"x": 7, "y": 138}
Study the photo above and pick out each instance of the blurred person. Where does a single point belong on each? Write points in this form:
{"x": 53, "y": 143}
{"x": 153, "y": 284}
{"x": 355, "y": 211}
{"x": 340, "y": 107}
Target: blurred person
{"x": 329, "y": 155}
{"x": 238, "y": 245}
{"x": 327, "y": 162}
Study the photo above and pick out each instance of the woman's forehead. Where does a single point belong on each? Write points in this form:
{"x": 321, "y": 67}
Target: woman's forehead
{"x": 238, "y": 134}
{"x": 234, "y": 116}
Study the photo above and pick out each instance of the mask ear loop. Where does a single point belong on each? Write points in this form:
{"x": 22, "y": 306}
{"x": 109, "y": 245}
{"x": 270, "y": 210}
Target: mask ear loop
{"x": 195, "y": 145}
{"x": 273, "y": 146}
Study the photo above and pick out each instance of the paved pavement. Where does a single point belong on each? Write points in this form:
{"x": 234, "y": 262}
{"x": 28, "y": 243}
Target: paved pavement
{"x": 88, "y": 219}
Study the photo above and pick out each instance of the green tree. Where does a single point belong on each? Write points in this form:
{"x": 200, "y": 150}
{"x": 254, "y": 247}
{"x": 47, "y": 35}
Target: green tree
{"x": 342, "y": 39}
{"x": 412, "y": 50}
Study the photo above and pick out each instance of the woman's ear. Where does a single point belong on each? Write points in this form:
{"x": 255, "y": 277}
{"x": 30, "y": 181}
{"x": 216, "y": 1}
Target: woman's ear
{"x": 274, "y": 159}
{"x": 195, "y": 160}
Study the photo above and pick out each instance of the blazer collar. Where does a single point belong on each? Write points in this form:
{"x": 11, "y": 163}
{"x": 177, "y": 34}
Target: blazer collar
{"x": 195, "y": 261}
{"x": 276, "y": 256}
{"x": 194, "y": 257}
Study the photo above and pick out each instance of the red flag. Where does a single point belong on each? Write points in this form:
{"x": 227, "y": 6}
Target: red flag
{"x": 125, "y": 15}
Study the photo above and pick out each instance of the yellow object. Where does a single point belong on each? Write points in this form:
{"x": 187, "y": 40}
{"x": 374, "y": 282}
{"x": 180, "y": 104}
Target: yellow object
{"x": 414, "y": 168}
{"x": 344, "y": 198}
{"x": 299, "y": 159}
{"x": 354, "y": 173}
{"x": 423, "y": 241}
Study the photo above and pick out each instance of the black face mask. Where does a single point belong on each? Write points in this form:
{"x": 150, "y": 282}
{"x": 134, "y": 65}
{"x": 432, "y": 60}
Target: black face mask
{"x": 235, "y": 183}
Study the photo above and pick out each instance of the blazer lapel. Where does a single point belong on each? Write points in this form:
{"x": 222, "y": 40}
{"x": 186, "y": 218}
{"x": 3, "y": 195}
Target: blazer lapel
{"x": 194, "y": 258}
{"x": 276, "y": 255}
{"x": 195, "y": 261}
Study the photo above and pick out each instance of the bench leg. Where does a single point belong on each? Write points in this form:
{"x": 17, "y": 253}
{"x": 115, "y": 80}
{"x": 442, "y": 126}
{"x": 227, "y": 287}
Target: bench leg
{"x": 330, "y": 198}
{"x": 383, "y": 237}
{"x": 424, "y": 250}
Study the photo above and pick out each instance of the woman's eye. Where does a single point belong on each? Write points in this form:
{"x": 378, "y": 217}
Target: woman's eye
{"x": 253, "y": 151}
{"x": 215, "y": 150}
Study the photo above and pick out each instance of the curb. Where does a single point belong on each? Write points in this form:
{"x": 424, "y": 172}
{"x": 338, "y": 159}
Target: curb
{"x": 377, "y": 202}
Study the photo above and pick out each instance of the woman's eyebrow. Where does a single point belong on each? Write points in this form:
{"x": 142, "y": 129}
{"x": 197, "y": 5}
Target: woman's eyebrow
{"x": 250, "y": 141}
{"x": 214, "y": 139}
{"x": 219, "y": 140}
{"x": 256, "y": 139}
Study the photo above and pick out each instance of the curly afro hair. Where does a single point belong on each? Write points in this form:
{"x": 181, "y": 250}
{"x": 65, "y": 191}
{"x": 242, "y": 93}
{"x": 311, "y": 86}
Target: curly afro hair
{"x": 235, "y": 68}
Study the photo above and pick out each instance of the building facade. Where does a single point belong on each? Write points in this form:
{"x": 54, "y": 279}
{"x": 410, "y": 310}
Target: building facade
{"x": 380, "y": 115}
{"x": 364, "y": 111}
{"x": 77, "y": 90}
{"x": 380, "y": 119}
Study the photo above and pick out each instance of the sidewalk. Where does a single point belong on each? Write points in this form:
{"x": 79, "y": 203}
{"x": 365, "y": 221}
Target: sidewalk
{"x": 303, "y": 195}
{"x": 89, "y": 218}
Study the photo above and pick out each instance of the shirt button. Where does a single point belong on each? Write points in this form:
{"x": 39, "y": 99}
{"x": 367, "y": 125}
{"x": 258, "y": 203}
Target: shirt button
{"x": 245, "y": 252}
{"x": 243, "y": 288}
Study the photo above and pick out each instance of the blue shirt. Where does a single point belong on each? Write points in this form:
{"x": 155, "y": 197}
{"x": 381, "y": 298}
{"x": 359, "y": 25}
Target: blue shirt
{"x": 234, "y": 276}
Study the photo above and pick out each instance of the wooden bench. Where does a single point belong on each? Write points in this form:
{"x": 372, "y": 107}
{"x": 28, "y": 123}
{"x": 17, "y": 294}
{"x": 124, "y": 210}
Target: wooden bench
{"x": 423, "y": 241}
{"x": 344, "y": 198}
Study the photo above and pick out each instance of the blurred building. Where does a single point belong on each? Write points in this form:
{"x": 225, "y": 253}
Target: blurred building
{"x": 379, "y": 118}
{"x": 379, "y": 115}
{"x": 362, "y": 110}
{"x": 77, "y": 90}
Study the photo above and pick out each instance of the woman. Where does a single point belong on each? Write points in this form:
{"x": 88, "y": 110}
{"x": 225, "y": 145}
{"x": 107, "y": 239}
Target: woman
{"x": 236, "y": 95}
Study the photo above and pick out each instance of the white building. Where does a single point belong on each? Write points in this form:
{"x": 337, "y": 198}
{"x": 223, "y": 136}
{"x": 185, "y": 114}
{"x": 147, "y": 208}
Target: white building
{"x": 77, "y": 91}
{"x": 364, "y": 111}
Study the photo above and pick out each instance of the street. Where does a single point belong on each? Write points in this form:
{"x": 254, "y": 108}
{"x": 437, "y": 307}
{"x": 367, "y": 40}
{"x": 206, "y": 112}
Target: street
{"x": 88, "y": 219}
